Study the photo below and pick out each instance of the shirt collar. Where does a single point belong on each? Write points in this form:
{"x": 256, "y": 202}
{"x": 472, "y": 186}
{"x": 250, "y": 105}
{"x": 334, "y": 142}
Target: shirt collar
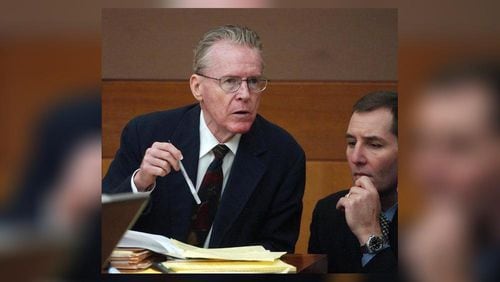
{"x": 389, "y": 213}
{"x": 208, "y": 140}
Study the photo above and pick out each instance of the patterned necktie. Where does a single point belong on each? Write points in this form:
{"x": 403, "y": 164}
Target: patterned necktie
{"x": 209, "y": 192}
{"x": 384, "y": 225}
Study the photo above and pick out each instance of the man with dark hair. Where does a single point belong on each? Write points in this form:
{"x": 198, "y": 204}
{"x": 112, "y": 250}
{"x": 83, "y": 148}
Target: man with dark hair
{"x": 376, "y": 100}
{"x": 357, "y": 228}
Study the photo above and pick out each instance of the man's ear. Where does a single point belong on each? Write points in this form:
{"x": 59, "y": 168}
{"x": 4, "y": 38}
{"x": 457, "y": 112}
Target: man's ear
{"x": 194, "y": 84}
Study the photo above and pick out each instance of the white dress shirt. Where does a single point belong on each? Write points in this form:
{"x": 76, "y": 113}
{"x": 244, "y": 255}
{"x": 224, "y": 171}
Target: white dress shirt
{"x": 206, "y": 156}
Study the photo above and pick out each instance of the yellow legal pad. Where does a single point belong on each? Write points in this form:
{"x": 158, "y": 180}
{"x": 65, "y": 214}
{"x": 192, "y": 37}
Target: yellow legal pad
{"x": 220, "y": 266}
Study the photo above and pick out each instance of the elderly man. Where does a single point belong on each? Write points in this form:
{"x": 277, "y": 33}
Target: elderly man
{"x": 357, "y": 228}
{"x": 248, "y": 172}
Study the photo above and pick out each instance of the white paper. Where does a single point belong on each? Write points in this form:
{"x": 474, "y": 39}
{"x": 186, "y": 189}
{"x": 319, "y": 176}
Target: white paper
{"x": 177, "y": 249}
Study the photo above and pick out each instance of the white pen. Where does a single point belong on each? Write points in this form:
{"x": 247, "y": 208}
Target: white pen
{"x": 189, "y": 183}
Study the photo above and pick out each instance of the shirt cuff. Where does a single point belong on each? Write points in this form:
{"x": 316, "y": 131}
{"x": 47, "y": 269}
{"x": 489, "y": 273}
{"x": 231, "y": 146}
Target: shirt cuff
{"x": 134, "y": 188}
{"x": 366, "y": 258}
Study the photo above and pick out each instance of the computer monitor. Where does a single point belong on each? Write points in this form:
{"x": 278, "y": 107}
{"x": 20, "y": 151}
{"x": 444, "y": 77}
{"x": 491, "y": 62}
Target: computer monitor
{"x": 119, "y": 213}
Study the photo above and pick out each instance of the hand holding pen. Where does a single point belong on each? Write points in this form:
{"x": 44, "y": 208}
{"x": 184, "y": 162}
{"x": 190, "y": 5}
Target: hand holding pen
{"x": 159, "y": 160}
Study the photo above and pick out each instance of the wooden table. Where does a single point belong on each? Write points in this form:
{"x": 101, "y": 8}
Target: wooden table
{"x": 307, "y": 263}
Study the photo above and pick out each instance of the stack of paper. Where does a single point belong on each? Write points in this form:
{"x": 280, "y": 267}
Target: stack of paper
{"x": 217, "y": 266}
{"x": 130, "y": 258}
{"x": 176, "y": 249}
{"x": 248, "y": 259}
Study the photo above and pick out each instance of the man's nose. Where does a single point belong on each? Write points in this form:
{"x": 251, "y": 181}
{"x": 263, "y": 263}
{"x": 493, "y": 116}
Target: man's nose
{"x": 244, "y": 92}
{"x": 358, "y": 155}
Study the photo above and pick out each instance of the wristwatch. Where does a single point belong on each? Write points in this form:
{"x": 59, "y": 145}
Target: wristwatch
{"x": 374, "y": 244}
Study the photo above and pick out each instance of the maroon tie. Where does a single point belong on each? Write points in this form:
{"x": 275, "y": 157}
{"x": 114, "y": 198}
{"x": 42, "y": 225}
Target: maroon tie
{"x": 209, "y": 192}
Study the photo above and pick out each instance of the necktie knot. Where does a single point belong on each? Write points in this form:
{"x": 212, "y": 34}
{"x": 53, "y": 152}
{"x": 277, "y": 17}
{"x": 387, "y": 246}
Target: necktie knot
{"x": 220, "y": 151}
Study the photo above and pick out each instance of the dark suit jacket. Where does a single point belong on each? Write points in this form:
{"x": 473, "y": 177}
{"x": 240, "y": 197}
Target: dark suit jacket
{"x": 262, "y": 200}
{"x": 331, "y": 235}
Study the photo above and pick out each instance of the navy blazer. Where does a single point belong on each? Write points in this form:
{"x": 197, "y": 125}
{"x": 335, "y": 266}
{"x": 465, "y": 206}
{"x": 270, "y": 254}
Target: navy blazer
{"x": 262, "y": 200}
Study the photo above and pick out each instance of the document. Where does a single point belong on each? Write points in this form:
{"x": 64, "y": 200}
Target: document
{"x": 177, "y": 249}
{"x": 215, "y": 266}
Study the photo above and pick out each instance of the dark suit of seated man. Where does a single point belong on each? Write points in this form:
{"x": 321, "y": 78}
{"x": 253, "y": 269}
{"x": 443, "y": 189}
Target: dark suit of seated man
{"x": 357, "y": 228}
{"x": 248, "y": 172}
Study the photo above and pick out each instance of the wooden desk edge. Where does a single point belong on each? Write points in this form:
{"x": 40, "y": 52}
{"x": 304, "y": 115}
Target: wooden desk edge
{"x": 307, "y": 263}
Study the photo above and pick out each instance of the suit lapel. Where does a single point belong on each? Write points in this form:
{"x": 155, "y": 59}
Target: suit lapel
{"x": 186, "y": 138}
{"x": 246, "y": 173}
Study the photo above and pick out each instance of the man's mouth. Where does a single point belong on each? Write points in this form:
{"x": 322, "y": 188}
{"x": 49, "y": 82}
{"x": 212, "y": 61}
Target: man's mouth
{"x": 241, "y": 113}
{"x": 359, "y": 174}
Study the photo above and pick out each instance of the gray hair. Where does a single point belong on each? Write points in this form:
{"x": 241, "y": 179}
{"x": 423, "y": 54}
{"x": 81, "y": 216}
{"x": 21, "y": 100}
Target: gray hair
{"x": 237, "y": 34}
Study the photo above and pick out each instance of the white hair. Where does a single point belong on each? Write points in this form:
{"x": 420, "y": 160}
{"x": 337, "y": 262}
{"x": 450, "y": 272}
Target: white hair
{"x": 233, "y": 33}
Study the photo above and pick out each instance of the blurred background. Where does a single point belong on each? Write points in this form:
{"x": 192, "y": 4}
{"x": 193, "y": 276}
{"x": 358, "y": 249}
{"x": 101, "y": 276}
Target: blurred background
{"x": 50, "y": 68}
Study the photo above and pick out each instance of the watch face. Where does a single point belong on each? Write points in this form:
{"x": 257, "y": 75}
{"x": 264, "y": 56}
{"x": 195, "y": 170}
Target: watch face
{"x": 374, "y": 244}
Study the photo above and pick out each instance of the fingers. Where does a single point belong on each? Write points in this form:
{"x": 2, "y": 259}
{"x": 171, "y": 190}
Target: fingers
{"x": 168, "y": 147}
{"x": 153, "y": 170}
{"x": 158, "y": 163}
{"x": 364, "y": 191}
{"x": 341, "y": 203}
{"x": 355, "y": 194}
{"x": 160, "y": 159}
{"x": 366, "y": 183}
{"x": 356, "y": 191}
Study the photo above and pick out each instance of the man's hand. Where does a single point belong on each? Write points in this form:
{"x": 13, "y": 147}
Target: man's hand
{"x": 362, "y": 209}
{"x": 159, "y": 160}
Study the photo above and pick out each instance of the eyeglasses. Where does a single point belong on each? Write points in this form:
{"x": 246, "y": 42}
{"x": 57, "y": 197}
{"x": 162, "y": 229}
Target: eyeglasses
{"x": 231, "y": 84}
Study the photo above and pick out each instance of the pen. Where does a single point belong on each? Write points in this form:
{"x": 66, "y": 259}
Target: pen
{"x": 189, "y": 182}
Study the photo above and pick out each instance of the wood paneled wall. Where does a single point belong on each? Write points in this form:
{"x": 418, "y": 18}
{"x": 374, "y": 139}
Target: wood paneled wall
{"x": 315, "y": 113}
{"x": 299, "y": 44}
